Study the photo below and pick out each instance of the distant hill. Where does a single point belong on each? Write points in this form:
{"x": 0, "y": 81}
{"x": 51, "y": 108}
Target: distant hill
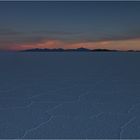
{"x": 68, "y": 50}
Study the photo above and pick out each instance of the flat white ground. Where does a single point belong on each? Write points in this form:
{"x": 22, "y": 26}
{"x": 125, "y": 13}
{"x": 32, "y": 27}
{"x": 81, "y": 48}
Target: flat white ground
{"x": 70, "y": 95}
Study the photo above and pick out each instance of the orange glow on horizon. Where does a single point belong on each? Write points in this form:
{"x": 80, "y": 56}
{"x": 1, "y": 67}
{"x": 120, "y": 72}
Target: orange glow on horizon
{"x": 132, "y": 44}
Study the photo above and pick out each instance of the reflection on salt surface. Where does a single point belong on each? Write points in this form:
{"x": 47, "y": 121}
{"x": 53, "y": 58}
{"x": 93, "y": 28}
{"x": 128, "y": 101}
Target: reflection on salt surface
{"x": 69, "y": 95}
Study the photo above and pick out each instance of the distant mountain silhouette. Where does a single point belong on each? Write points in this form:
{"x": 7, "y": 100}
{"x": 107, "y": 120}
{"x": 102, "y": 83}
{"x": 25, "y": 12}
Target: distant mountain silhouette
{"x": 68, "y": 50}
{"x": 75, "y": 50}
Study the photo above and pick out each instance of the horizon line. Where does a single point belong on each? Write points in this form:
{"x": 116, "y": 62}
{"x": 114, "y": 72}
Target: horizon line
{"x": 69, "y": 49}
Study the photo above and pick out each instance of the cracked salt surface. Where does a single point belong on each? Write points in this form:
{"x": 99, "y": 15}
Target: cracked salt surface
{"x": 69, "y": 95}
{"x": 36, "y": 127}
{"x": 125, "y": 126}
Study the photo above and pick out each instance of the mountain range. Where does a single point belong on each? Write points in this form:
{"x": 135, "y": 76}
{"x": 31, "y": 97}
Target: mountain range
{"x": 74, "y": 50}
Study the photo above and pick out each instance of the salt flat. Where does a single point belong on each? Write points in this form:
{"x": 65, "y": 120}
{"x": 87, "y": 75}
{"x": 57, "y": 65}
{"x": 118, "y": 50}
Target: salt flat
{"x": 70, "y": 95}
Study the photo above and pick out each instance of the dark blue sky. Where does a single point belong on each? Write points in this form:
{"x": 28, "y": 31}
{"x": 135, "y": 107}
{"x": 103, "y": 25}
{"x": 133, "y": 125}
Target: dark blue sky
{"x": 69, "y": 24}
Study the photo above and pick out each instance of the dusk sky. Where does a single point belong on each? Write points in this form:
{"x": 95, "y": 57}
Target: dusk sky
{"x": 111, "y": 25}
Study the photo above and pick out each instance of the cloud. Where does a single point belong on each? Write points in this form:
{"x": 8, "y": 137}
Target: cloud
{"x": 70, "y": 36}
{"x": 122, "y": 44}
{"x": 56, "y": 32}
{"x": 46, "y": 43}
{"x": 53, "y": 43}
{"x": 9, "y": 32}
{"x": 16, "y": 40}
{"x": 109, "y": 35}
{"x": 8, "y": 45}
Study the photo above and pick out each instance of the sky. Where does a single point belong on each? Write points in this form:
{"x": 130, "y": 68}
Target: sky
{"x": 70, "y": 24}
